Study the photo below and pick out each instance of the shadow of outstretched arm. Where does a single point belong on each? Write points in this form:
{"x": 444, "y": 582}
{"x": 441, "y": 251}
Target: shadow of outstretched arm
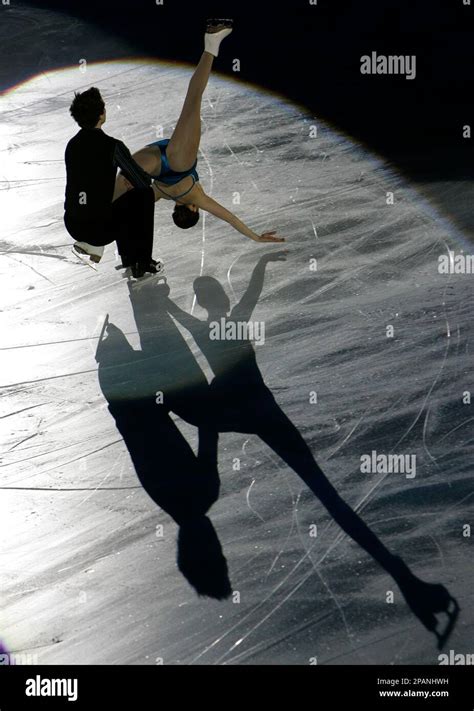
{"x": 244, "y": 309}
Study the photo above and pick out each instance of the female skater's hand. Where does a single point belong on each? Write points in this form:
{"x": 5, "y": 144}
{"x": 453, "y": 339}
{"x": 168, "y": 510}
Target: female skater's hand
{"x": 269, "y": 237}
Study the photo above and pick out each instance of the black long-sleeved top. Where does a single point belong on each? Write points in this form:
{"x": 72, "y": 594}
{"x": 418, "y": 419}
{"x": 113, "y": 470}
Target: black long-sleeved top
{"x": 92, "y": 158}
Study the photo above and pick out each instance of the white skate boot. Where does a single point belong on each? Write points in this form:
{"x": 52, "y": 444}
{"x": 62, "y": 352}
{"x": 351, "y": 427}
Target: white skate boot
{"x": 88, "y": 253}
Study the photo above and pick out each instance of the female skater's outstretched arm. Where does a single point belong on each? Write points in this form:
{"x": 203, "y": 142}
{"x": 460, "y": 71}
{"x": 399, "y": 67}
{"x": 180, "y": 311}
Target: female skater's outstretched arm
{"x": 208, "y": 204}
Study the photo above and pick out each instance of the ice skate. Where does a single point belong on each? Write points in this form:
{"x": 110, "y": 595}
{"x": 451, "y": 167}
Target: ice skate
{"x": 154, "y": 267}
{"x": 88, "y": 253}
{"x": 141, "y": 273}
{"x": 216, "y": 31}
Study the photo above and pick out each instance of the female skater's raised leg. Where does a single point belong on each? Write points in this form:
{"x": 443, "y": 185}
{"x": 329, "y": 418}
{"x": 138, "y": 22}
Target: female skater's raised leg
{"x": 183, "y": 147}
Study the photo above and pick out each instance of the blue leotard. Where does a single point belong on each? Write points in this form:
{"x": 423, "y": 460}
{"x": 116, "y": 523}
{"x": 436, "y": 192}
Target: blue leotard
{"x": 167, "y": 175}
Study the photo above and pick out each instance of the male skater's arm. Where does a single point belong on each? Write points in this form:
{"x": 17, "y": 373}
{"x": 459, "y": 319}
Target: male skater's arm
{"x": 162, "y": 297}
{"x": 131, "y": 174}
{"x": 210, "y": 205}
{"x": 190, "y": 323}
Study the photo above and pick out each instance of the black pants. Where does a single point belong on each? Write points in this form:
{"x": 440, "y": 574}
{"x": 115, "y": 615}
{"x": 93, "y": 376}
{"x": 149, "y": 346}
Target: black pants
{"x": 130, "y": 225}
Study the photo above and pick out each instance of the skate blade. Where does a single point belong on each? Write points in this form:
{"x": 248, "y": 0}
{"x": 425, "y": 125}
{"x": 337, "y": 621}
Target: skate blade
{"x": 214, "y": 21}
{"x": 85, "y": 258}
{"x": 452, "y": 613}
{"x": 119, "y": 267}
{"x": 211, "y": 27}
{"x": 147, "y": 279}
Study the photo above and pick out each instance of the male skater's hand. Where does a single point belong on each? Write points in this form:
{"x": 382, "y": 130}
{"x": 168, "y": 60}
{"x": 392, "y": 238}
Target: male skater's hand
{"x": 269, "y": 237}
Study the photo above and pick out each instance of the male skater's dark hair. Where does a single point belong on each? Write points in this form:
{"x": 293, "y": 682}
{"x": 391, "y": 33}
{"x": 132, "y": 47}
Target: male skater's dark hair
{"x": 184, "y": 217}
{"x": 87, "y": 107}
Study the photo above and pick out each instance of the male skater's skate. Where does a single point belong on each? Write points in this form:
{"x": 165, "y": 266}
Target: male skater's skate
{"x": 93, "y": 217}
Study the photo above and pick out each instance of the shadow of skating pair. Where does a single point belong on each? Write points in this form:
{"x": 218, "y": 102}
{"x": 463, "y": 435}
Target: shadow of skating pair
{"x": 186, "y": 485}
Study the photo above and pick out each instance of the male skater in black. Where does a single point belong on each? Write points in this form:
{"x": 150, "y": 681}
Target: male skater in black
{"x": 92, "y": 217}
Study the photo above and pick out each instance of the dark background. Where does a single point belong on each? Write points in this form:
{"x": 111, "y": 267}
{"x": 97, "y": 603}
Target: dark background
{"x": 311, "y": 54}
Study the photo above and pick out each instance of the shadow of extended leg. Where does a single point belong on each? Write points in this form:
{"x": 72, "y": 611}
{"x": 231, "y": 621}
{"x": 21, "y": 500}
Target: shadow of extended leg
{"x": 424, "y": 599}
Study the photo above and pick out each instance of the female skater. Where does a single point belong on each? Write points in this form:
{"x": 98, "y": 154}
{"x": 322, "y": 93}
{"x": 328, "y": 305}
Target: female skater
{"x": 172, "y": 162}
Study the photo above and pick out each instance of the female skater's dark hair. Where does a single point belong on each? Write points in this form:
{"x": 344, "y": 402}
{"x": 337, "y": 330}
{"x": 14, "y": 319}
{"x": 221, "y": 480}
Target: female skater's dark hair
{"x": 87, "y": 107}
{"x": 210, "y": 294}
{"x": 184, "y": 217}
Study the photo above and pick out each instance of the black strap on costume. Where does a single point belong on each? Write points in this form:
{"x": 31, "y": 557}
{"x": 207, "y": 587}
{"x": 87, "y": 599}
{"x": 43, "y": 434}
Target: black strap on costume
{"x": 178, "y": 196}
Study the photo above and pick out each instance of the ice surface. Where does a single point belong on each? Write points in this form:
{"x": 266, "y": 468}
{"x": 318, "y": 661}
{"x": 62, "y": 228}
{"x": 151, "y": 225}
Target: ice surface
{"x": 85, "y": 577}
